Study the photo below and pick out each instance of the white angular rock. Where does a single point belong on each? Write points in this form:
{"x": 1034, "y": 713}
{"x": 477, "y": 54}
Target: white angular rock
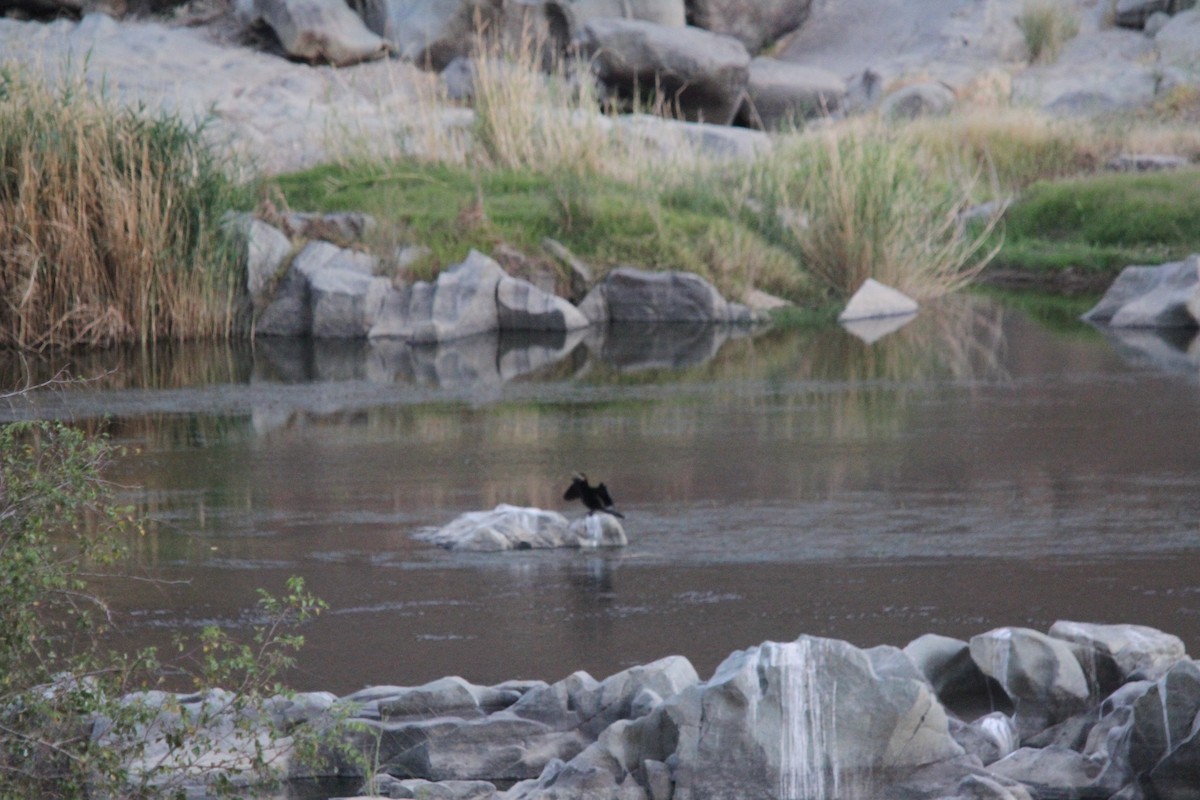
{"x": 509, "y": 527}
{"x": 874, "y": 299}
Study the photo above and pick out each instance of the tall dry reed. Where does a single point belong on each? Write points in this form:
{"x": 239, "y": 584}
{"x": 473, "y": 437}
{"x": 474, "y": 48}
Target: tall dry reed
{"x": 108, "y": 223}
{"x": 858, "y": 204}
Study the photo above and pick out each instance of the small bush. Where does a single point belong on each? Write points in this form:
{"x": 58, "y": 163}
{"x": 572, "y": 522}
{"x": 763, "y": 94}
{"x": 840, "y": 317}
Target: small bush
{"x": 108, "y": 223}
{"x": 1047, "y": 25}
{"x": 67, "y": 726}
{"x": 858, "y": 205}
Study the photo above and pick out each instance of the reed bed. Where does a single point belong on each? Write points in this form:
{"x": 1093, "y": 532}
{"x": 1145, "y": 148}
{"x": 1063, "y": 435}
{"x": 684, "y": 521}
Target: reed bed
{"x": 109, "y": 225}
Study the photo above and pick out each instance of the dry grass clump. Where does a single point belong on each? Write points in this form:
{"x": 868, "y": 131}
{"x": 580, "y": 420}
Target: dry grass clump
{"x": 1019, "y": 146}
{"x": 859, "y": 204}
{"x": 107, "y": 224}
{"x": 1047, "y": 25}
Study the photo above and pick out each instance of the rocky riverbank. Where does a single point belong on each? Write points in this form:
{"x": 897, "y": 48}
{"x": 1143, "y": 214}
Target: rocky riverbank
{"x": 258, "y": 70}
{"x": 1082, "y": 711}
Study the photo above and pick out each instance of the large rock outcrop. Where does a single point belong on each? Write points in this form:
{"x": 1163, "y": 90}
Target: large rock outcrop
{"x": 701, "y": 74}
{"x": 757, "y": 24}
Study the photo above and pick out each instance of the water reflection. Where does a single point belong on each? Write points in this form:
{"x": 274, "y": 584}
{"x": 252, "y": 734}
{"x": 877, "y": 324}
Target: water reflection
{"x": 970, "y": 469}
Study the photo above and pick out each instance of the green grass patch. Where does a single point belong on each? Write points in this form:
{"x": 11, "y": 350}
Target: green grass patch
{"x": 1101, "y": 224}
{"x": 606, "y": 221}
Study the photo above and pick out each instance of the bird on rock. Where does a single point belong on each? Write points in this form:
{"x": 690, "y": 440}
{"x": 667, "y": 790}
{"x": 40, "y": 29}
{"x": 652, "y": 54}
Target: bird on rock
{"x": 596, "y": 498}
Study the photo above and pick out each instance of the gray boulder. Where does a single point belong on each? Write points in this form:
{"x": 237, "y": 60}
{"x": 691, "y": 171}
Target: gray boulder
{"x": 1134, "y": 13}
{"x": 671, "y": 137}
{"x": 327, "y": 292}
{"x": 798, "y": 720}
{"x": 628, "y": 294}
{"x": 521, "y": 306}
{"x": 567, "y": 17}
{"x": 1039, "y": 674}
{"x": 1178, "y": 43}
{"x": 779, "y": 93}
{"x": 756, "y": 23}
{"x": 919, "y": 100}
{"x": 386, "y": 786}
{"x": 267, "y": 249}
{"x": 460, "y": 303}
{"x": 989, "y": 738}
{"x": 1163, "y": 718}
{"x": 321, "y": 30}
{"x": 1107, "y": 70}
{"x": 1058, "y": 772}
{"x": 515, "y": 528}
{"x": 947, "y": 665}
{"x": 702, "y": 74}
{"x": 1117, "y": 654}
{"x": 1151, "y": 297}
{"x": 430, "y": 33}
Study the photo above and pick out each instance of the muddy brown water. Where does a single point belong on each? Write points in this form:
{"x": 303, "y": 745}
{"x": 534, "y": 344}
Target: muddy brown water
{"x": 976, "y": 468}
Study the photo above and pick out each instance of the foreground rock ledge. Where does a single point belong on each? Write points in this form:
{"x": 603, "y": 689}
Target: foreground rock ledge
{"x": 1083, "y": 710}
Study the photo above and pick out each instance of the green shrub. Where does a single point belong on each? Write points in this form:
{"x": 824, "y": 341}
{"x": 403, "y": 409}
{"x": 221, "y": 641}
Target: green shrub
{"x": 65, "y": 729}
{"x": 1047, "y": 25}
{"x": 858, "y": 204}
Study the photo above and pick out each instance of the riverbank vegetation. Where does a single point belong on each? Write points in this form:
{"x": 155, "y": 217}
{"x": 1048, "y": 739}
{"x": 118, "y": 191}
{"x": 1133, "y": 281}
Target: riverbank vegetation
{"x": 109, "y": 221}
{"x": 67, "y": 726}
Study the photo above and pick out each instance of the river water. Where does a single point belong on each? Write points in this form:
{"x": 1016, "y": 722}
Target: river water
{"x": 978, "y": 467}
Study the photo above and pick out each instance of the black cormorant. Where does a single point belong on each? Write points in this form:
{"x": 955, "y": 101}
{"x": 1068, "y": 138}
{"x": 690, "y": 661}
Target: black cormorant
{"x": 596, "y": 498}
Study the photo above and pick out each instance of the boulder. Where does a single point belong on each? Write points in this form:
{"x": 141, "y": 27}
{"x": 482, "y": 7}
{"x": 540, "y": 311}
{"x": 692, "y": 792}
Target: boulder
{"x": 1105, "y": 71}
{"x": 1163, "y": 718}
{"x": 929, "y": 98}
{"x": 430, "y": 33}
{"x": 1134, "y": 13}
{"x": 1178, "y": 43}
{"x": 701, "y": 74}
{"x": 385, "y": 785}
{"x": 515, "y": 528}
{"x": 873, "y": 299}
{"x": 989, "y": 738}
{"x": 1058, "y": 772}
{"x": 779, "y": 94}
{"x": 799, "y": 720}
{"x": 628, "y": 294}
{"x": 1151, "y": 297}
{"x": 947, "y": 664}
{"x": 460, "y": 303}
{"x": 1146, "y": 162}
{"x": 521, "y": 306}
{"x": 757, "y": 24}
{"x": 288, "y": 312}
{"x": 1039, "y": 674}
{"x": 671, "y": 137}
{"x": 321, "y": 30}
{"x": 567, "y": 17}
{"x": 267, "y": 249}
{"x": 1117, "y": 654}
